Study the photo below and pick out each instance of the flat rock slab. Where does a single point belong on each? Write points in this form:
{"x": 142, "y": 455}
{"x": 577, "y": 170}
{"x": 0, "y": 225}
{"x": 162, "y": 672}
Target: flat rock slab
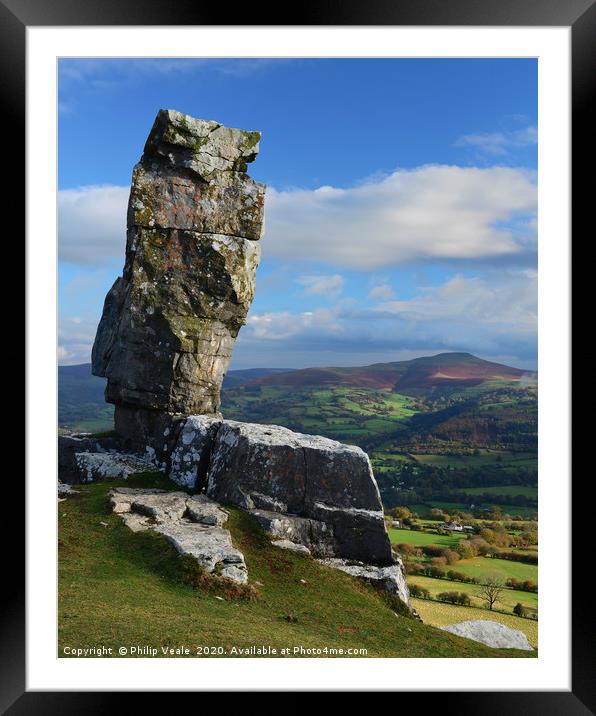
{"x": 164, "y": 507}
{"x": 201, "y": 509}
{"x": 192, "y": 524}
{"x": 490, "y": 633}
{"x": 211, "y": 546}
{"x": 391, "y": 578}
{"x": 291, "y": 546}
{"x": 102, "y": 466}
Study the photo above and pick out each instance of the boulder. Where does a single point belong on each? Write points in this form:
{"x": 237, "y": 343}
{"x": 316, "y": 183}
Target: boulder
{"x": 490, "y": 633}
{"x": 65, "y": 490}
{"x": 304, "y": 475}
{"x": 170, "y": 321}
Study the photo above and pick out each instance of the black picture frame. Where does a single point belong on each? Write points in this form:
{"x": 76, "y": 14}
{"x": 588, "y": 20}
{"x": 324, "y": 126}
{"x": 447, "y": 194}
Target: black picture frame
{"x": 579, "y": 15}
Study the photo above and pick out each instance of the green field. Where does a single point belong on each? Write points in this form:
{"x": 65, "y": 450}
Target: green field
{"x": 419, "y": 539}
{"x": 509, "y": 597}
{"x": 439, "y": 614}
{"x": 483, "y": 567}
{"x": 340, "y": 413}
{"x": 511, "y": 490}
{"x": 485, "y": 457}
{"x": 117, "y": 587}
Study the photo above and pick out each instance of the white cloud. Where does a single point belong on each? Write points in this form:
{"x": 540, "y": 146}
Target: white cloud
{"x": 92, "y": 223}
{"x": 499, "y": 143}
{"x": 75, "y": 339}
{"x": 281, "y": 325}
{"x": 424, "y": 214}
{"x": 330, "y": 286}
{"x": 381, "y": 292}
{"x": 493, "y": 315}
{"x": 509, "y": 301}
{"x": 429, "y": 213}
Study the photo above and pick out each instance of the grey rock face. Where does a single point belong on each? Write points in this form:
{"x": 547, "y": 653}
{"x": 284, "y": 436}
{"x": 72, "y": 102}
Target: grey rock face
{"x": 164, "y": 343}
{"x": 194, "y": 219}
{"x": 193, "y": 525}
{"x": 490, "y": 633}
{"x": 391, "y": 578}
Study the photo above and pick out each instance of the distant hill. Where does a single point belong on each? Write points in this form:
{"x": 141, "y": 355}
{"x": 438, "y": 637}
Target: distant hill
{"x": 418, "y": 376}
{"x": 82, "y": 405}
{"x": 81, "y": 402}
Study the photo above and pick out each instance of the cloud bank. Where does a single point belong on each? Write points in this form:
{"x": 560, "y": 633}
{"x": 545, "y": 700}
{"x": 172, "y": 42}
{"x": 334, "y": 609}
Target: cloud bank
{"x": 432, "y": 213}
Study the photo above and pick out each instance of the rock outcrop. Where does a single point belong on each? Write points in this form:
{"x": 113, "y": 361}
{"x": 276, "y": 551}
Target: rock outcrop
{"x": 193, "y": 525}
{"x": 169, "y": 323}
{"x": 490, "y": 633}
{"x": 164, "y": 343}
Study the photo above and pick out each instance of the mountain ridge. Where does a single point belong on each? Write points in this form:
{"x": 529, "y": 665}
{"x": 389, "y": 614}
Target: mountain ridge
{"x": 407, "y": 377}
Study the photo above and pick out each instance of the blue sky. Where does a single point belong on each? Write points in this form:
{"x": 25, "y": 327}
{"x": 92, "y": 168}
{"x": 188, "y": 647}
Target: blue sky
{"x": 400, "y": 214}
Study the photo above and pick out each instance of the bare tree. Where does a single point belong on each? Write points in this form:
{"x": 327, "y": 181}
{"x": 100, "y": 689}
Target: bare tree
{"x": 491, "y": 591}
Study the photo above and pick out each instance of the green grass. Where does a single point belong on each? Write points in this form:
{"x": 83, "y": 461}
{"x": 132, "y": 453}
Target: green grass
{"x": 120, "y": 588}
{"x": 509, "y": 597}
{"x": 439, "y": 614}
{"x": 419, "y": 539}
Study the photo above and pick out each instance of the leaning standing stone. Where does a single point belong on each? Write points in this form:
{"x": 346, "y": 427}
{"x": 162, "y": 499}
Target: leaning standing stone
{"x": 194, "y": 223}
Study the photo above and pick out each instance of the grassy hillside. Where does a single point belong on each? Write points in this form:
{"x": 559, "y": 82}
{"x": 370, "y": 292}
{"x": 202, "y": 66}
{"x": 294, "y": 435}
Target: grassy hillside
{"x": 119, "y": 588}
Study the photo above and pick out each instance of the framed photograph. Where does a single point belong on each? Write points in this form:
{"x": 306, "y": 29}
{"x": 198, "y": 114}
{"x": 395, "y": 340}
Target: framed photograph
{"x": 299, "y": 352}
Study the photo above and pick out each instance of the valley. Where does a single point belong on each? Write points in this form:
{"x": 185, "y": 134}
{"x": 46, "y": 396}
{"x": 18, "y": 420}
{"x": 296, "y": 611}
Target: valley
{"x": 446, "y": 446}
